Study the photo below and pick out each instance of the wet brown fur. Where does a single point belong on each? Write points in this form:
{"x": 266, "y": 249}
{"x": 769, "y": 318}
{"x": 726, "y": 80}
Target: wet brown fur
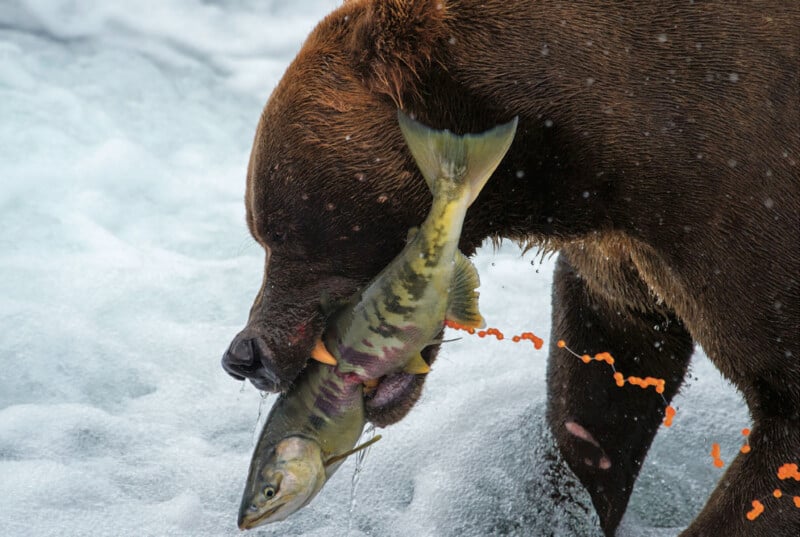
{"x": 657, "y": 151}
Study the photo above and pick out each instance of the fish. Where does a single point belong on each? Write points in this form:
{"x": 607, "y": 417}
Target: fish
{"x": 379, "y": 331}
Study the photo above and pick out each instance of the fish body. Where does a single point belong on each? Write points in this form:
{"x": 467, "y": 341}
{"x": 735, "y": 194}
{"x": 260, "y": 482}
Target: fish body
{"x": 321, "y": 417}
{"x": 381, "y": 330}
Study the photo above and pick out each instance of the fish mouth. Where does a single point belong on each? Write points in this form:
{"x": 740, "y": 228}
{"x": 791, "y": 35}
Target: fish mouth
{"x": 248, "y": 523}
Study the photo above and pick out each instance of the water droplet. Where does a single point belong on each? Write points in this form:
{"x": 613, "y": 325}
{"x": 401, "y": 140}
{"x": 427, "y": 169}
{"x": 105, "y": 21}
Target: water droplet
{"x": 733, "y": 77}
{"x": 452, "y": 40}
{"x": 383, "y": 198}
{"x": 662, "y": 38}
{"x": 548, "y": 123}
{"x": 330, "y": 206}
{"x": 520, "y": 174}
{"x": 585, "y": 194}
{"x": 589, "y": 81}
{"x": 769, "y": 203}
{"x": 732, "y": 162}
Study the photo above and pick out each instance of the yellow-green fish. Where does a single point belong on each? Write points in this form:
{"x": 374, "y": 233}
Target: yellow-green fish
{"x": 381, "y": 330}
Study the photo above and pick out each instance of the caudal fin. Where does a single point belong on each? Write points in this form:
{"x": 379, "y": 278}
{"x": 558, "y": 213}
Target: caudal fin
{"x": 467, "y": 160}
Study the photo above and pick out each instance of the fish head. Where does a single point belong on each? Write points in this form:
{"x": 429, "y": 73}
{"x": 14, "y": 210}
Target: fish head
{"x": 282, "y": 482}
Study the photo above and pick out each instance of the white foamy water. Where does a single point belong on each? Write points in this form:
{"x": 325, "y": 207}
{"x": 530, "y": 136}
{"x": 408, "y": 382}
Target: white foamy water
{"x": 126, "y": 268}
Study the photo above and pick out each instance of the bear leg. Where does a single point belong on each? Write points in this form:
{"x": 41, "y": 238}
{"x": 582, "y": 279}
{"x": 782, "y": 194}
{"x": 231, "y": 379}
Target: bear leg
{"x": 763, "y": 483}
{"x": 602, "y": 430}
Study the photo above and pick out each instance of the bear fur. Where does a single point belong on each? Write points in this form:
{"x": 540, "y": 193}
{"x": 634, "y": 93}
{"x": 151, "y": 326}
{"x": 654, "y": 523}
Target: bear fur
{"x": 657, "y": 152}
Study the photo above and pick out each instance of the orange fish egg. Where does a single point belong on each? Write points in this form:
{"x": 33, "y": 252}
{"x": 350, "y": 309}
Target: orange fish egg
{"x": 789, "y": 471}
{"x": 670, "y": 413}
{"x": 758, "y": 508}
{"x": 537, "y": 341}
{"x": 718, "y": 462}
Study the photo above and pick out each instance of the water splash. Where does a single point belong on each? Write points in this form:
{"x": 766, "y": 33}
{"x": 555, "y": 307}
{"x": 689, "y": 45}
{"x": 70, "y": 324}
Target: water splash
{"x": 260, "y": 419}
{"x": 360, "y": 457}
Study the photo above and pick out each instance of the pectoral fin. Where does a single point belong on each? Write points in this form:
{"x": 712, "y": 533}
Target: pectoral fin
{"x": 417, "y": 365}
{"x": 463, "y": 306}
{"x": 343, "y": 456}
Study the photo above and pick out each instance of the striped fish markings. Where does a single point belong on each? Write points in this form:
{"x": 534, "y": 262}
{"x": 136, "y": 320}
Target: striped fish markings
{"x": 381, "y": 330}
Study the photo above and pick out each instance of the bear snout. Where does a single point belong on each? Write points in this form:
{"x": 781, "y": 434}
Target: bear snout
{"x": 249, "y": 357}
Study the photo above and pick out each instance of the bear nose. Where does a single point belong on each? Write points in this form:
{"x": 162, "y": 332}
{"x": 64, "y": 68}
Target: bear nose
{"x": 248, "y": 356}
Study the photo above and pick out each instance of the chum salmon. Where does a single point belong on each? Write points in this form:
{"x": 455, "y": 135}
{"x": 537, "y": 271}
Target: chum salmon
{"x": 381, "y": 330}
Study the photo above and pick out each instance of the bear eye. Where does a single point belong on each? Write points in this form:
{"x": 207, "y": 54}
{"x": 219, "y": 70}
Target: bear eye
{"x": 277, "y": 237}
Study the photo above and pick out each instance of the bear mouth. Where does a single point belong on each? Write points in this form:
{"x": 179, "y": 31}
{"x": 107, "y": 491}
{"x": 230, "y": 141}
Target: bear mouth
{"x": 390, "y": 391}
{"x": 397, "y": 393}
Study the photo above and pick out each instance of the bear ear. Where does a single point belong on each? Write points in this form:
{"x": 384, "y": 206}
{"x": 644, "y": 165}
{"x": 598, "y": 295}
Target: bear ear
{"x": 394, "y": 39}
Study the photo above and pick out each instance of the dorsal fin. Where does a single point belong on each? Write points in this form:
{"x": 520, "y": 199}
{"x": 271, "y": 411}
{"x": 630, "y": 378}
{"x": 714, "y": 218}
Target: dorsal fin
{"x": 463, "y": 305}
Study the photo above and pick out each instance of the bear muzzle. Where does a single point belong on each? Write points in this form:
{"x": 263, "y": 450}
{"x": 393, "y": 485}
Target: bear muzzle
{"x": 249, "y": 357}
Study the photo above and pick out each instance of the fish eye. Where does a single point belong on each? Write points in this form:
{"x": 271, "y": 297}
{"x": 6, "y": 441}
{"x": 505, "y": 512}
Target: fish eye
{"x": 269, "y": 491}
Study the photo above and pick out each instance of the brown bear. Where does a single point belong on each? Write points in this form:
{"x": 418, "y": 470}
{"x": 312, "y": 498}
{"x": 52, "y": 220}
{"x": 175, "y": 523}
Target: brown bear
{"x": 657, "y": 152}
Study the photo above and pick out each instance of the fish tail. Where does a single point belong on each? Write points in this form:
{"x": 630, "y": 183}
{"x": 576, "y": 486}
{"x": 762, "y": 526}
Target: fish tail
{"x": 447, "y": 160}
